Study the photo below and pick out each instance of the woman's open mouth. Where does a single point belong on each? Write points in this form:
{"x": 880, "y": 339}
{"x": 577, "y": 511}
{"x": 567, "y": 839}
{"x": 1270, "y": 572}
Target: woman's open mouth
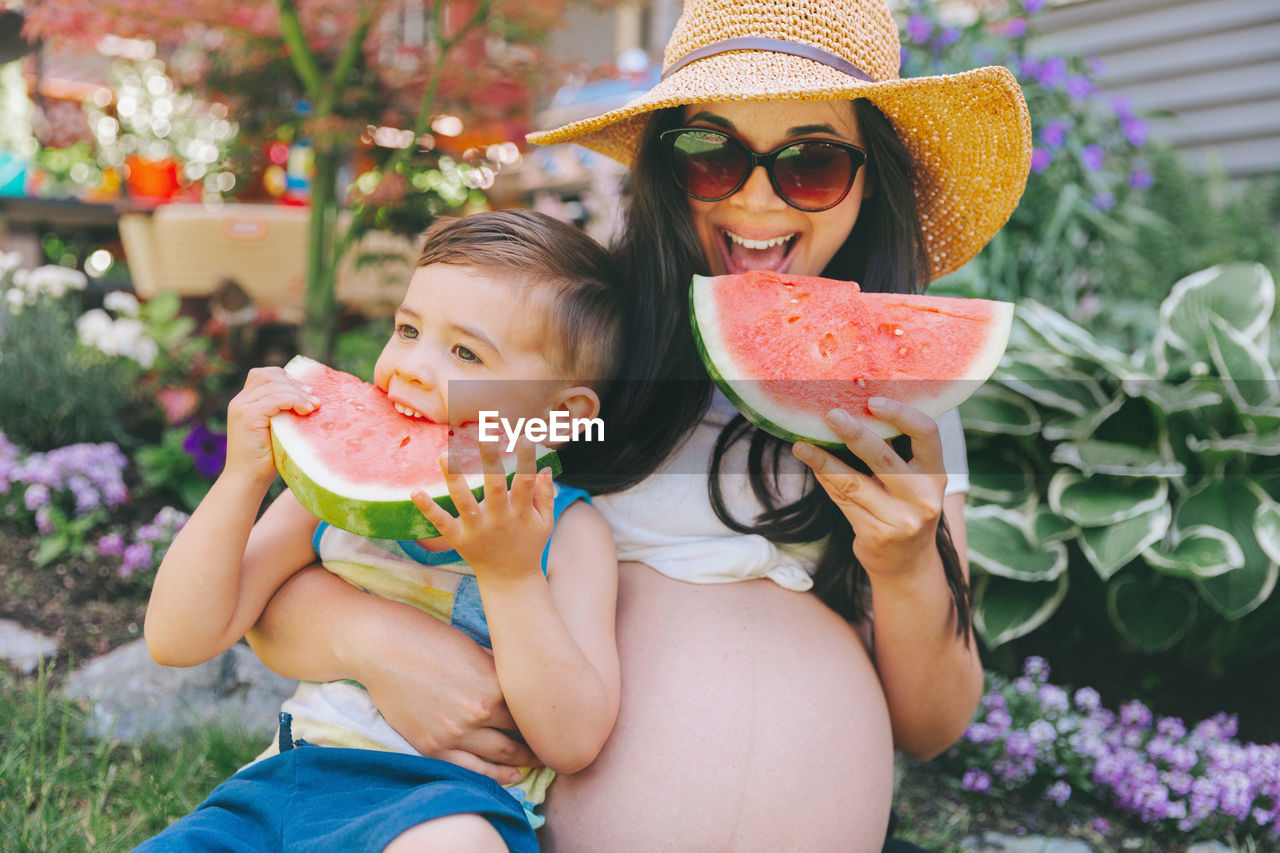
{"x": 745, "y": 253}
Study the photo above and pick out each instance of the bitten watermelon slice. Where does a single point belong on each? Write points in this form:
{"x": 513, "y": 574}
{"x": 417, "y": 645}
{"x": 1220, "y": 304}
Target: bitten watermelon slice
{"x": 787, "y": 349}
{"x": 354, "y": 461}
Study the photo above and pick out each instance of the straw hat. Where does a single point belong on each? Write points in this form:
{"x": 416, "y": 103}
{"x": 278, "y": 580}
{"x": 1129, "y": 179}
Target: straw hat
{"x": 969, "y": 133}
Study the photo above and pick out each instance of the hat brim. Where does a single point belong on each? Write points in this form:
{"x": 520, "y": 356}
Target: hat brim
{"x": 970, "y": 133}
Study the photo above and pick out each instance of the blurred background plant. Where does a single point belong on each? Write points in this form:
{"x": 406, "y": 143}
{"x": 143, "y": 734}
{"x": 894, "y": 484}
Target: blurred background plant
{"x": 1137, "y": 493}
{"x": 1109, "y": 217}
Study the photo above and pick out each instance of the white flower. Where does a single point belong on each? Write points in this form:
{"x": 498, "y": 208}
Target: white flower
{"x": 93, "y": 327}
{"x": 145, "y": 351}
{"x": 9, "y": 261}
{"x": 16, "y": 299}
{"x": 55, "y": 280}
{"x": 121, "y": 302}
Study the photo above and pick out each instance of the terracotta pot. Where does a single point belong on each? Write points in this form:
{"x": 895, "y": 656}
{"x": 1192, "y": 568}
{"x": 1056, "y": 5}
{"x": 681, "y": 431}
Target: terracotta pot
{"x": 152, "y": 180}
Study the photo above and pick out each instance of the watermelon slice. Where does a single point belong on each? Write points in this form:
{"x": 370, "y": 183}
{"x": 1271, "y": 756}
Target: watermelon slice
{"x": 354, "y": 461}
{"x": 787, "y": 349}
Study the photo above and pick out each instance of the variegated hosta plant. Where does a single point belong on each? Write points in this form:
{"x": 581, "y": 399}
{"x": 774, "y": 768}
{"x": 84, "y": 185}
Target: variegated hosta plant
{"x": 1155, "y": 470}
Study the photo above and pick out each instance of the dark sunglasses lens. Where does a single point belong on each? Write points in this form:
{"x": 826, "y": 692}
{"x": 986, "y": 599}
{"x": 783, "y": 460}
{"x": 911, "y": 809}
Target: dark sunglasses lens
{"x": 708, "y": 166}
{"x": 814, "y": 175}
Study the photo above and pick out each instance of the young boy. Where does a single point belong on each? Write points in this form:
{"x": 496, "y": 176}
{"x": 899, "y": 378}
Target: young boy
{"x": 512, "y": 296}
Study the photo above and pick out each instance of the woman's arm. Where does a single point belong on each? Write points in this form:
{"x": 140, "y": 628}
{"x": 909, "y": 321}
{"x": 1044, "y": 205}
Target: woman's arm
{"x": 931, "y": 676}
{"x": 432, "y": 683}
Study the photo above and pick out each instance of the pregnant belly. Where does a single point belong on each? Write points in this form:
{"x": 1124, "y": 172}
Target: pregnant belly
{"x": 751, "y": 719}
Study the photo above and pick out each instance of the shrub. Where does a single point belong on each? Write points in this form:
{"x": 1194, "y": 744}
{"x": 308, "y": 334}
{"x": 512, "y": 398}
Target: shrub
{"x": 1149, "y": 480}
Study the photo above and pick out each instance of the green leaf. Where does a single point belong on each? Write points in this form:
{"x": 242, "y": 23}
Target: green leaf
{"x": 1231, "y": 504}
{"x": 1004, "y": 609}
{"x": 1099, "y": 500}
{"x": 1241, "y": 294}
{"x": 51, "y": 548}
{"x": 996, "y": 410}
{"x": 1250, "y": 444}
{"x": 1112, "y": 547}
{"x": 1170, "y": 398}
{"x": 1048, "y": 526}
{"x": 1202, "y": 551}
{"x": 1053, "y": 383}
{"x": 1152, "y": 614}
{"x": 1000, "y": 543}
{"x": 1266, "y": 526}
{"x": 1001, "y": 476}
{"x": 1106, "y": 457}
{"x": 1083, "y": 426}
{"x": 1072, "y": 340}
{"x": 1242, "y": 366}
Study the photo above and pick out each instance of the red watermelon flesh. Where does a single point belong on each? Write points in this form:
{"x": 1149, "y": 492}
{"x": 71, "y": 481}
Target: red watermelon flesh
{"x": 788, "y": 349}
{"x": 355, "y": 460}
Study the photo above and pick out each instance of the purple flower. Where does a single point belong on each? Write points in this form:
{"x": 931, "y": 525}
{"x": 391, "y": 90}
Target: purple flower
{"x": 111, "y": 545}
{"x": 36, "y": 496}
{"x": 1134, "y": 130}
{"x": 1141, "y": 179}
{"x": 1054, "y": 132}
{"x": 1036, "y": 668}
{"x": 1104, "y": 201}
{"x": 1059, "y": 792}
{"x": 1053, "y": 699}
{"x": 1101, "y": 825}
{"x": 1091, "y": 157}
{"x": 946, "y": 37}
{"x": 1052, "y": 72}
{"x": 976, "y": 780}
{"x": 1171, "y": 727}
{"x": 44, "y": 521}
{"x": 207, "y": 448}
{"x": 919, "y": 28}
{"x": 1013, "y": 28}
{"x": 1122, "y": 107}
{"x": 1033, "y": 6}
{"x": 137, "y": 557}
{"x": 1134, "y": 713}
{"x": 1078, "y": 88}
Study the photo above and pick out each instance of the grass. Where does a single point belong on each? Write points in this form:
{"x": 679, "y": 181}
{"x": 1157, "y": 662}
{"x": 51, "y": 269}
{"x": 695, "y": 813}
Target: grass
{"x": 62, "y": 791}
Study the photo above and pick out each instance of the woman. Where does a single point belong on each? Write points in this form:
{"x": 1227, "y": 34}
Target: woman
{"x": 754, "y": 716}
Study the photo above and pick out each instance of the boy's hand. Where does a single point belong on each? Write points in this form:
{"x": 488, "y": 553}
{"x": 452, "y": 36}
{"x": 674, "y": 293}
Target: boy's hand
{"x": 503, "y": 535}
{"x": 267, "y": 390}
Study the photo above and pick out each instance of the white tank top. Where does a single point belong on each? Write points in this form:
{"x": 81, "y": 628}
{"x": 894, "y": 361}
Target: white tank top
{"x": 667, "y": 521}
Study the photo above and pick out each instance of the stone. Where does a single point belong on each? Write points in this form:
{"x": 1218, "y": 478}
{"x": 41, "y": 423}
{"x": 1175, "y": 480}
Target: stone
{"x": 23, "y": 647}
{"x": 132, "y": 697}
{"x": 998, "y": 842}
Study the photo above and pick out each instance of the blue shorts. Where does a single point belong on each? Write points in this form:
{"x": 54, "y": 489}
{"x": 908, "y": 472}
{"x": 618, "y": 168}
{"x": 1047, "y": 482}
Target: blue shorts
{"x": 315, "y": 798}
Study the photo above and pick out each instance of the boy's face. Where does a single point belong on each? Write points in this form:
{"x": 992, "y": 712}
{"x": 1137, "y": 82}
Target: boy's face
{"x": 457, "y": 331}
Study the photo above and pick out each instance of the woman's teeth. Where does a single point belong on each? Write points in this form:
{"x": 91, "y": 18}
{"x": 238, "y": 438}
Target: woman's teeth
{"x": 748, "y": 243}
{"x": 405, "y": 410}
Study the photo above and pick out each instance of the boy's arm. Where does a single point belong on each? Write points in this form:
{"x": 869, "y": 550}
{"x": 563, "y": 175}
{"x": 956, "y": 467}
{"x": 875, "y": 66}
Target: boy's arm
{"x": 221, "y": 570}
{"x": 553, "y": 639}
{"x": 554, "y": 642}
{"x": 218, "y": 575}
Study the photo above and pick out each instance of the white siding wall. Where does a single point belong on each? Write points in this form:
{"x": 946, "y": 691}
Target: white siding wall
{"x": 1211, "y": 67}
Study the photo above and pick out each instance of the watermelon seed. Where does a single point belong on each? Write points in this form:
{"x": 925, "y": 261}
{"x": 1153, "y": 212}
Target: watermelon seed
{"x": 897, "y": 331}
{"x": 404, "y": 441}
{"x": 862, "y": 383}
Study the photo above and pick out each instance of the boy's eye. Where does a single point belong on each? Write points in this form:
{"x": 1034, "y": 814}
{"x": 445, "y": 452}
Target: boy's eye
{"x": 406, "y": 331}
{"x": 463, "y": 354}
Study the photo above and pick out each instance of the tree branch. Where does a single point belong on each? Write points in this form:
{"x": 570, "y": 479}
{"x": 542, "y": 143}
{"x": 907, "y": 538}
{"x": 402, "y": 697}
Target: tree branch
{"x": 346, "y": 60}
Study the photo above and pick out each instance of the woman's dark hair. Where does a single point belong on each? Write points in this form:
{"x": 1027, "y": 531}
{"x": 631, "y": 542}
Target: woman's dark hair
{"x": 667, "y": 391}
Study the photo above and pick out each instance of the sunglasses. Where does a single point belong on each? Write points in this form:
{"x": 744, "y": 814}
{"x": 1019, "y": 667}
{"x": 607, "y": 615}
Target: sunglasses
{"x": 808, "y": 174}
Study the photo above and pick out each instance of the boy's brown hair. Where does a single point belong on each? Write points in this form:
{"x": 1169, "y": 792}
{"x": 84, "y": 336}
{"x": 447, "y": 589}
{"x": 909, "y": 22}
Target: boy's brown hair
{"x": 583, "y": 313}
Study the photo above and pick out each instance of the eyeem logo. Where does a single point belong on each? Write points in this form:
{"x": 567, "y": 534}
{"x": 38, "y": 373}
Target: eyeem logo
{"x": 561, "y": 426}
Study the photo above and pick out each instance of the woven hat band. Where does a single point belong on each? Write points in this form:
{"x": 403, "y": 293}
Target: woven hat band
{"x": 805, "y": 51}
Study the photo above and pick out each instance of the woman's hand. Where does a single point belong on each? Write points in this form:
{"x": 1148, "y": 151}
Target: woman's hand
{"x": 267, "y": 391}
{"x": 895, "y": 511}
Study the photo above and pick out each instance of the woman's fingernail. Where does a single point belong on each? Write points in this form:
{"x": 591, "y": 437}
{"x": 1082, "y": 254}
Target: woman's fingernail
{"x": 839, "y": 417}
{"x": 802, "y": 451}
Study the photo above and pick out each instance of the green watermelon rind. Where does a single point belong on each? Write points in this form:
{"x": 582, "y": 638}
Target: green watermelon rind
{"x": 397, "y": 518}
{"x": 702, "y": 285}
